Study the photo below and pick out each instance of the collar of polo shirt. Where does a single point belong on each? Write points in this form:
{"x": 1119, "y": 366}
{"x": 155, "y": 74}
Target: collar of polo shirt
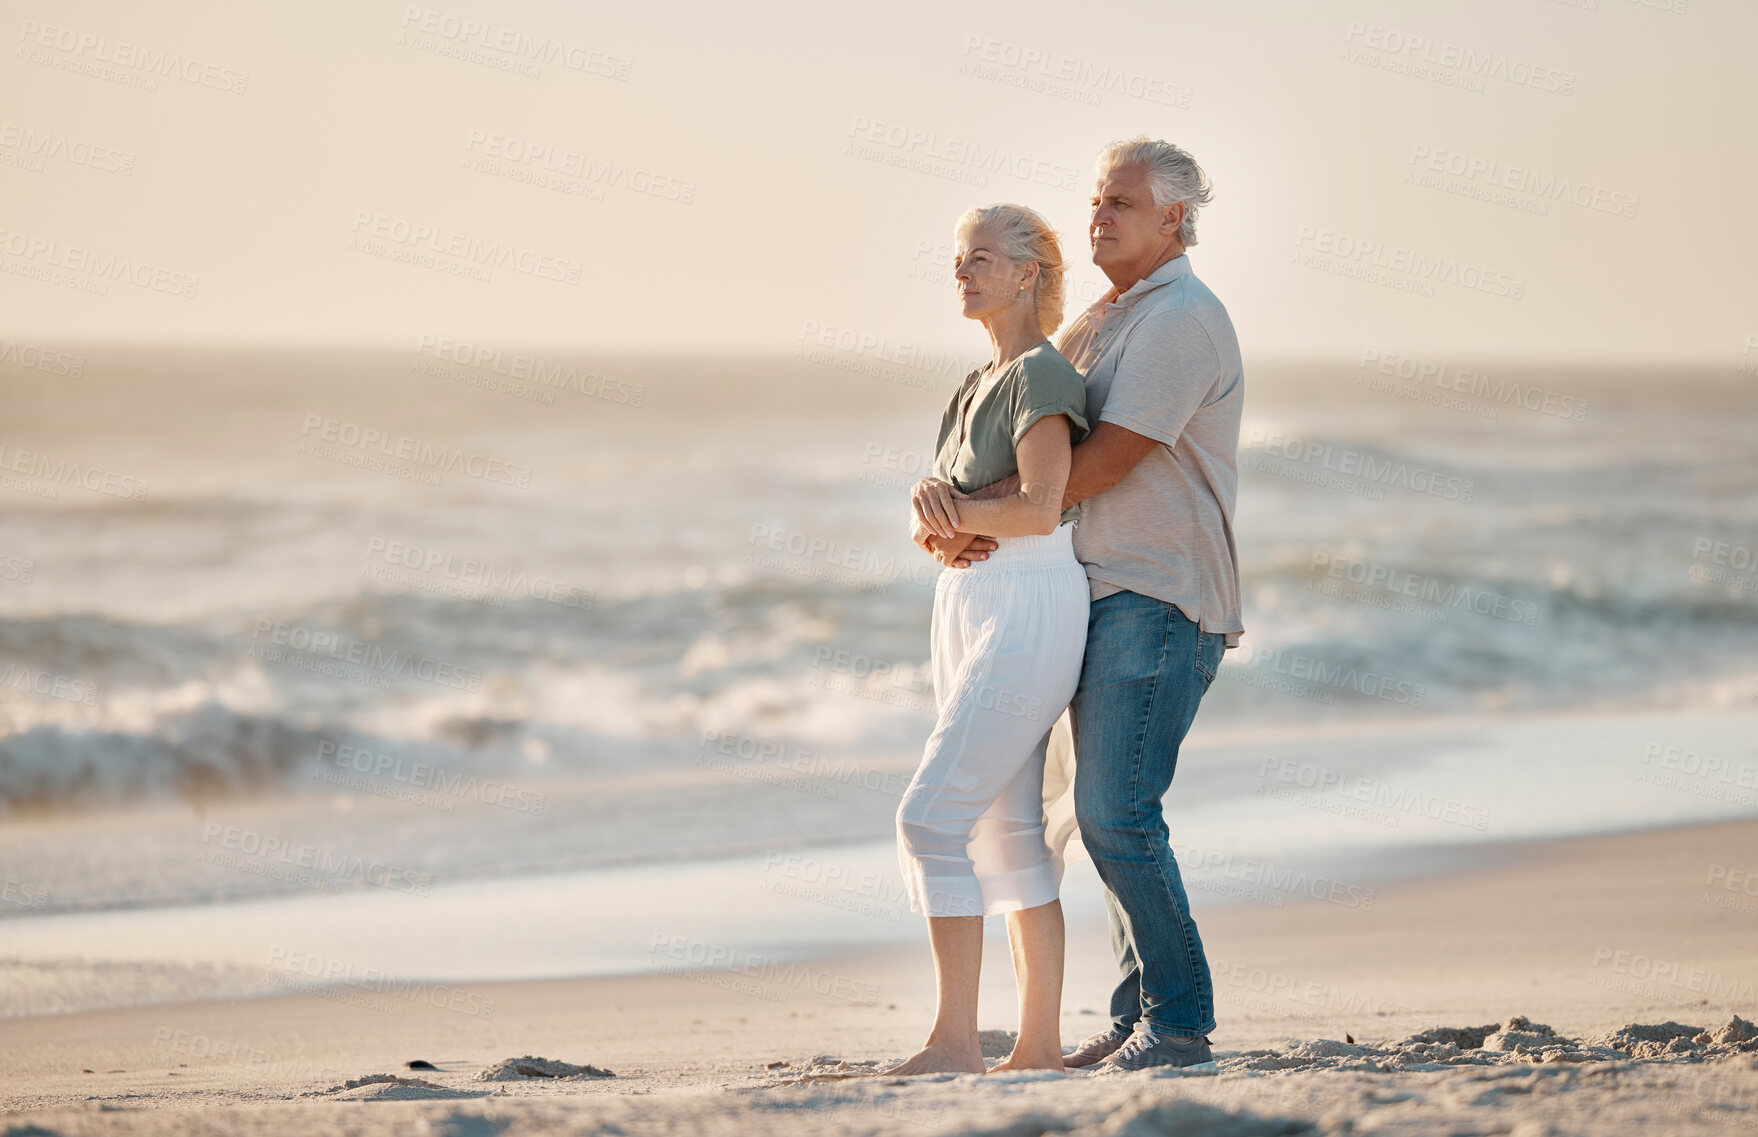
{"x": 1173, "y": 269}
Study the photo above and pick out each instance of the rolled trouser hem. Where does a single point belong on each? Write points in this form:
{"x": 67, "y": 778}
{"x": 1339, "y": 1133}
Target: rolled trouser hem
{"x": 946, "y": 896}
{"x": 1016, "y": 891}
{"x": 1181, "y": 1031}
{"x": 985, "y": 896}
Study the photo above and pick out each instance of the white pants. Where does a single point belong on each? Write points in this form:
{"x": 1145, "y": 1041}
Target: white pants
{"x": 1008, "y": 636}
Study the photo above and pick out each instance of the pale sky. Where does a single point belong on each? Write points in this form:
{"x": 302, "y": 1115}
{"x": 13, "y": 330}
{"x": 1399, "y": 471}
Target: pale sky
{"x": 789, "y": 128}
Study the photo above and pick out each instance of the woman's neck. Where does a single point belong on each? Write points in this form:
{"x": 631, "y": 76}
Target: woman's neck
{"x": 1012, "y": 333}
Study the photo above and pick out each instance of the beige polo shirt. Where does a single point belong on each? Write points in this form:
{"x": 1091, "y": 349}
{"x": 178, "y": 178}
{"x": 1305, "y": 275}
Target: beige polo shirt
{"x": 1162, "y": 360}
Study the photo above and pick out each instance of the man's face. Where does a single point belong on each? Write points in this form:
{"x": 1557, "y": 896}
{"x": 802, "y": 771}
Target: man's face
{"x": 1127, "y": 229}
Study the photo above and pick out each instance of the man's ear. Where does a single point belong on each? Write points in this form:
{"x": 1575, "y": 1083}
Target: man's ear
{"x": 1174, "y": 217}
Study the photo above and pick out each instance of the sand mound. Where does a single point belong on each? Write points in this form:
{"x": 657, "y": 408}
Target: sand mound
{"x": 996, "y": 1043}
{"x": 831, "y": 1064}
{"x": 1460, "y": 1037}
{"x": 1736, "y": 1031}
{"x": 528, "y": 1067}
{"x": 1652, "y": 1040}
{"x": 389, "y": 1087}
{"x": 1519, "y": 1040}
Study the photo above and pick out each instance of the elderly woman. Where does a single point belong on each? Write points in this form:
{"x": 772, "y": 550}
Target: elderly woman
{"x": 1008, "y": 634}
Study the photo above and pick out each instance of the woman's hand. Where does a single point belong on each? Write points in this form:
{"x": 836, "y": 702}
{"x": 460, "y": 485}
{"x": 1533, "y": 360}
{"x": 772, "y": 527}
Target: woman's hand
{"x": 933, "y": 503}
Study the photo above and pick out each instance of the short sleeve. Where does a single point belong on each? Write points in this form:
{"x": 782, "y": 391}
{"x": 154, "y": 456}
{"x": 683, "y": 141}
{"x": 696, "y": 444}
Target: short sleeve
{"x": 1049, "y": 385}
{"x": 1165, "y": 373}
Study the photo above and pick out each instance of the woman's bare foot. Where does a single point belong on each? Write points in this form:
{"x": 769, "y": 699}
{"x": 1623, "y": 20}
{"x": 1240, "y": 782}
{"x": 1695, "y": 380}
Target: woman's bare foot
{"x": 935, "y": 1058}
{"x": 1027, "y": 1060}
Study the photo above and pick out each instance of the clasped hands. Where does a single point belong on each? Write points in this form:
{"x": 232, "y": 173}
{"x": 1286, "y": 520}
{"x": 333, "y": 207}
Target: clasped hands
{"x": 934, "y": 522}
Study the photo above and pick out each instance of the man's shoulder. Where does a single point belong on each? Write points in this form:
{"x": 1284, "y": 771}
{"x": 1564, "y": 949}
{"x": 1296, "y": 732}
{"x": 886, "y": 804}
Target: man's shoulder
{"x": 1186, "y": 306}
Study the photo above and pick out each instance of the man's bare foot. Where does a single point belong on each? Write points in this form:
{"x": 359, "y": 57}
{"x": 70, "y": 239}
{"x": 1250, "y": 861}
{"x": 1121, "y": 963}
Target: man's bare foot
{"x": 937, "y": 1059}
{"x": 1028, "y": 1061}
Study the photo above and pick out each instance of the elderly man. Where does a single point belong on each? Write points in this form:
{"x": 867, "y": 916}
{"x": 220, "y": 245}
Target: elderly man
{"x": 1159, "y": 477}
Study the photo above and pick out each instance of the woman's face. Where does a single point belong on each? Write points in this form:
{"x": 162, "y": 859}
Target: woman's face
{"x": 987, "y": 281}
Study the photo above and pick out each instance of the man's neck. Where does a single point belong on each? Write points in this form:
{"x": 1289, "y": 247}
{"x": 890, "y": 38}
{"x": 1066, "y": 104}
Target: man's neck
{"x": 1126, "y": 281}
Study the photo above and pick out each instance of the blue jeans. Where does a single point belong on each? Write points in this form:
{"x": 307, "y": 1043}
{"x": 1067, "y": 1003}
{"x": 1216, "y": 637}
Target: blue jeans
{"x": 1147, "y": 667}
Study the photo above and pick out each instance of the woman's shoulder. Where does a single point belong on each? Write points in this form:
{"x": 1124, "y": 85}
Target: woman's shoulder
{"x": 1044, "y": 366}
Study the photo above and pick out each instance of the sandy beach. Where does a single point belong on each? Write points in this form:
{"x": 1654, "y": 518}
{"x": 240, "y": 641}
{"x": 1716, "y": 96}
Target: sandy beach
{"x": 1587, "y": 940}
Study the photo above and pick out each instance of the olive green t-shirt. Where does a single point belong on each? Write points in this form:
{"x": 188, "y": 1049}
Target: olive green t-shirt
{"x": 979, "y": 436}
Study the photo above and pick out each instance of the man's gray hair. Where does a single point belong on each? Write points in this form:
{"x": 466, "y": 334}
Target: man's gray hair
{"x": 1173, "y": 175}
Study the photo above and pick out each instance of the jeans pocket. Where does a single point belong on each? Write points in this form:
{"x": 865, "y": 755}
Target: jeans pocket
{"x": 1209, "y": 646}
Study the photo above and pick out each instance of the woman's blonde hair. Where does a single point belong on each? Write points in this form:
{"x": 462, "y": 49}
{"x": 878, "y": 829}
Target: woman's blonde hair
{"x": 1023, "y": 236}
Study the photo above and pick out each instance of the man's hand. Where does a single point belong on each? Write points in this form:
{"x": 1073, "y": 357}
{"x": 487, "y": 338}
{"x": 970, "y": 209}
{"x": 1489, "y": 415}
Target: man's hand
{"x": 962, "y": 551}
{"x": 958, "y": 551}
